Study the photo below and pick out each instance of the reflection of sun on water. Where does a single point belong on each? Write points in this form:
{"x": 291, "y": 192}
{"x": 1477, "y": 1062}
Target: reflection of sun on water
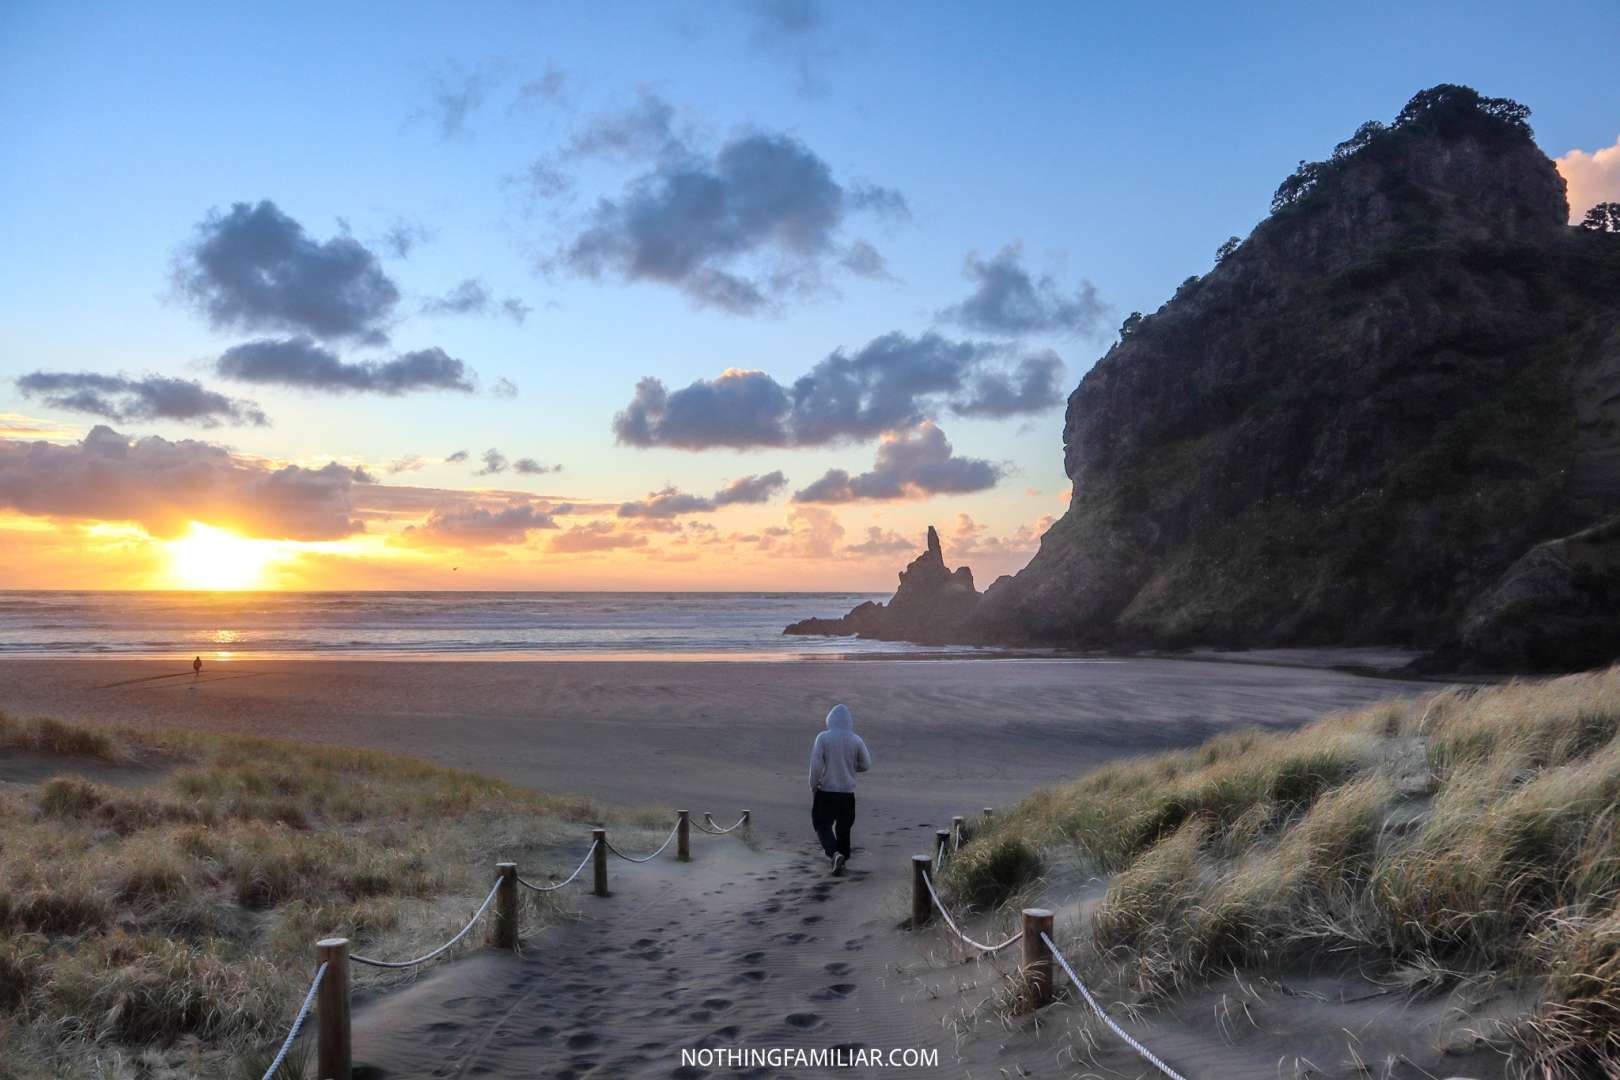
{"x": 210, "y": 558}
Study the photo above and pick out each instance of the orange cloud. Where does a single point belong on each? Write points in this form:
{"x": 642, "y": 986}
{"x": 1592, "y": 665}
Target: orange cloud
{"x": 1592, "y": 178}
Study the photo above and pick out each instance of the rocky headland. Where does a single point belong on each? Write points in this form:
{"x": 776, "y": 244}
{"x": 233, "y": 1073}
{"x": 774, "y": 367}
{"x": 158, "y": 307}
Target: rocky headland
{"x": 1389, "y": 416}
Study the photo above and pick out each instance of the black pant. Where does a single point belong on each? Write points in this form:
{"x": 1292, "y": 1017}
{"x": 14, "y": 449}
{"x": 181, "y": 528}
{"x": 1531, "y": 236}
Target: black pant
{"x": 833, "y": 815}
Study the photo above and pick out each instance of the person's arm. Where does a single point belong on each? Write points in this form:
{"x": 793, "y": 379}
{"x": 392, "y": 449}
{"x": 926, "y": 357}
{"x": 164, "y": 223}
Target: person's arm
{"x": 818, "y": 763}
{"x": 863, "y": 756}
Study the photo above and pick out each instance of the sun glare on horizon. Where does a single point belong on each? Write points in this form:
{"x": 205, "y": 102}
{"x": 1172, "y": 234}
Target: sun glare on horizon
{"x": 211, "y": 558}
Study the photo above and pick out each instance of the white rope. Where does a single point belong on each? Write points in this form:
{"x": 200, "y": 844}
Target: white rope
{"x": 1147, "y": 1055}
{"x": 298, "y": 1022}
{"x": 716, "y": 830}
{"x": 565, "y": 881}
{"x": 939, "y": 856}
{"x": 952, "y": 923}
{"x": 956, "y": 839}
{"x": 646, "y": 858}
{"x": 479, "y": 914}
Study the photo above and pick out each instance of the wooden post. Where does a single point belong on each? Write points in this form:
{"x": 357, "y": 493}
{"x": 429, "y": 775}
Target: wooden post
{"x": 942, "y": 844}
{"x": 989, "y": 812}
{"x": 683, "y": 835}
{"x": 599, "y": 836}
{"x": 504, "y": 931}
{"x": 956, "y": 828}
{"x": 335, "y": 1059}
{"x": 748, "y": 820}
{"x": 922, "y": 909}
{"x": 1037, "y": 957}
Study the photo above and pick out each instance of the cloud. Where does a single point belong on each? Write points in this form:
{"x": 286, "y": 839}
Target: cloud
{"x": 740, "y": 230}
{"x": 672, "y": 502}
{"x": 155, "y": 397}
{"x": 892, "y": 382}
{"x": 494, "y": 462}
{"x": 457, "y": 458}
{"x": 402, "y": 236}
{"x": 1007, "y": 300}
{"x": 971, "y": 540}
{"x": 454, "y": 96}
{"x": 795, "y": 31}
{"x": 810, "y": 533}
{"x": 879, "y": 542}
{"x": 300, "y": 363}
{"x": 164, "y": 486}
{"x": 504, "y": 388}
{"x": 550, "y": 87}
{"x": 497, "y": 462}
{"x": 864, "y": 260}
{"x": 408, "y": 463}
{"x": 255, "y": 269}
{"x": 17, "y": 426}
{"x": 594, "y": 536}
{"x": 1592, "y": 178}
{"x": 527, "y": 466}
{"x": 481, "y": 525}
{"x": 473, "y": 297}
{"x": 914, "y": 464}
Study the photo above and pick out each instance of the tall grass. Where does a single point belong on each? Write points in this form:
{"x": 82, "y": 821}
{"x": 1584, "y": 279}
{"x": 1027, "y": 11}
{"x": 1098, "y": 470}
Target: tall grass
{"x": 172, "y": 921}
{"x": 1469, "y": 832}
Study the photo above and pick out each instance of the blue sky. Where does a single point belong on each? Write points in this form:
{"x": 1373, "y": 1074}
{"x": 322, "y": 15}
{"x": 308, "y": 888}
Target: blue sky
{"x": 1120, "y": 144}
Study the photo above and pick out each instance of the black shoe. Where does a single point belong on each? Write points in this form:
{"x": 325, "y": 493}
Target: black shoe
{"x": 838, "y": 864}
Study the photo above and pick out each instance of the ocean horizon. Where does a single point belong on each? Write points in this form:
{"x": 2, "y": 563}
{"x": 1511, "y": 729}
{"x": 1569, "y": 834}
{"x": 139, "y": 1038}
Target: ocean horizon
{"x": 466, "y": 625}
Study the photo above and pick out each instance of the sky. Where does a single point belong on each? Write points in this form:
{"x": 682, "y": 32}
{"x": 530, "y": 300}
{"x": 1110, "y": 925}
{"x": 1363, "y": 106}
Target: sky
{"x": 742, "y": 294}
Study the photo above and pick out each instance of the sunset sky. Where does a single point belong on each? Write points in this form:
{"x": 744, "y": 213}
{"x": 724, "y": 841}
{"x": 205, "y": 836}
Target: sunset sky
{"x": 723, "y": 295}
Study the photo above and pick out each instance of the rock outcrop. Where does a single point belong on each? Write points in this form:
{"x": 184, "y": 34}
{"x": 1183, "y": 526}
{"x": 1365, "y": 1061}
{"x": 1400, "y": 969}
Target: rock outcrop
{"x": 933, "y": 605}
{"x": 1370, "y": 424}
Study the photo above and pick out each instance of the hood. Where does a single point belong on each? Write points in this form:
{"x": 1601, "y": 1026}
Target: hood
{"x": 840, "y": 719}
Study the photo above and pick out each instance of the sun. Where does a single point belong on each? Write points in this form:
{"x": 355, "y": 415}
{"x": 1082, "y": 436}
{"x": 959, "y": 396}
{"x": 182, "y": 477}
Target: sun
{"x": 210, "y": 558}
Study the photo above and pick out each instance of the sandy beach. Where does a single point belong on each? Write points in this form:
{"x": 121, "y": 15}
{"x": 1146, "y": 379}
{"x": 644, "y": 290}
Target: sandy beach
{"x": 749, "y": 946}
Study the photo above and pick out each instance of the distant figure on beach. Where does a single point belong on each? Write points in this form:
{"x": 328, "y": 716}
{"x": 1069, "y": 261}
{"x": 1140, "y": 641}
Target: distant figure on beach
{"x": 196, "y": 666}
{"x": 838, "y": 754}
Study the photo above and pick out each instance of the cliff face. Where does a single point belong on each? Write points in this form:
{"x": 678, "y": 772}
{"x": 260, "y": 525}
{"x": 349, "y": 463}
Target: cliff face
{"x": 1403, "y": 381}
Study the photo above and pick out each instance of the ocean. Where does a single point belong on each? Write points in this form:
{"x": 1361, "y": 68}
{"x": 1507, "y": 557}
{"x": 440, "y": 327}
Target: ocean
{"x": 425, "y": 625}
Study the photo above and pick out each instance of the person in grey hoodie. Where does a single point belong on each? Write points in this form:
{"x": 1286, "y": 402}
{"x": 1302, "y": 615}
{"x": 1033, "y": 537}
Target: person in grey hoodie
{"x": 838, "y": 754}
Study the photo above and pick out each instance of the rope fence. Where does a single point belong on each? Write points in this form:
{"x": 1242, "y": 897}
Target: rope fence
{"x": 329, "y": 992}
{"x": 1039, "y": 952}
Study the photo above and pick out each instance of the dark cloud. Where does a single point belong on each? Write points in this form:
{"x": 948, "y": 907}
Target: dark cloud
{"x": 527, "y": 466}
{"x": 464, "y": 526}
{"x": 740, "y": 230}
{"x": 154, "y": 397}
{"x": 864, "y": 260}
{"x": 893, "y": 382}
{"x": 473, "y": 297}
{"x": 164, "y": 486}
{"x": 1032, "y": 384}
{"x": 672, "y": 502}
{"x": 739, "y": 409}
{"x": 1007, "y": 299}
{"x": 910, "y": 465}
{"x": 594, "y": 536}
{"x": 494, "y": 462}
{"x": 408, "y": 463}
{"x": 301, "y": 363}
{"x": 457, "y": 457}
{"x": 255, "y": 269}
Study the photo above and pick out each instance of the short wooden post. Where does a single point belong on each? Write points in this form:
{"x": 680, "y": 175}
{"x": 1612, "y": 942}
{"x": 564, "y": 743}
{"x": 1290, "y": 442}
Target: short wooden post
{"x": 922, "y": 909}
{"x": 1037, "y": 957}
{"x": 599, "y": 837}
{"x": 504, "y": 932}
{"x": 942, "y": 844}
{"x": 747, "y": 820}
{"x": 956, "y": 828}
{"x": 989, "y": 812}
{"x": 335, "y": 1059}
{"x": 683, "y": 835}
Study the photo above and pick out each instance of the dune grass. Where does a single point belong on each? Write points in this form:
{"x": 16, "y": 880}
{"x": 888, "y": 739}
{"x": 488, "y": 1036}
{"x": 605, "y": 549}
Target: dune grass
{"x": 167, "y": 928}
{"x": 1468, "y": 834}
